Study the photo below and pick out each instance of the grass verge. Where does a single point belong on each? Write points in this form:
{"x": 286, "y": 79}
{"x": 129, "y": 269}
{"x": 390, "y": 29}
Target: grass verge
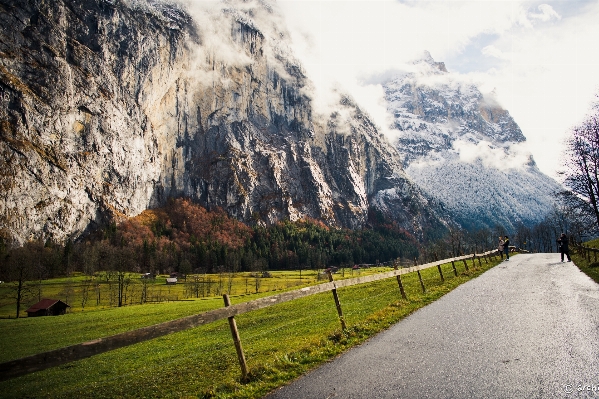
{"x": 281, "y": 343}
{"x": 591, "y": 268}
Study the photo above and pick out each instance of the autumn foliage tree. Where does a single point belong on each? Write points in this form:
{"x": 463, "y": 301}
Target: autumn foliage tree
{"x": 183, "y": 235}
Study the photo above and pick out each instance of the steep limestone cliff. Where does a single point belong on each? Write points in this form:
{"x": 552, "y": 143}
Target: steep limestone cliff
{"x": 110, "y": 107}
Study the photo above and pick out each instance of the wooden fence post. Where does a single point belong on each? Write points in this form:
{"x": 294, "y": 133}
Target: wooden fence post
{"x": 237, "y": 342}
{"x": 439, "y": 268}
{"x": 473, "y": 260}
{"x": 337, "y": 303}
{"x": 401, "y": 289}
{"x": 419, "y": 276}
{"x": 421, "y": 282}
{"x": 479, "y": 262}
{"x": 465, "y": 264}
{"x": 455, "y": 271}
{"x": 441, "y": 273}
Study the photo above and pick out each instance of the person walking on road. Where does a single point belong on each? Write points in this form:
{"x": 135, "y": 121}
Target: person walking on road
{"x": 562, "y": 244}
{"x": 506, "y": 247}
{"x": 500, "y": 247}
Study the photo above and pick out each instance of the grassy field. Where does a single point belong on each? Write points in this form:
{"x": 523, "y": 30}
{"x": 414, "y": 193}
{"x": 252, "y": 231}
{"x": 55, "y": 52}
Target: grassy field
{"x": 101, "y": 293}
{"x": 280, "y": 342}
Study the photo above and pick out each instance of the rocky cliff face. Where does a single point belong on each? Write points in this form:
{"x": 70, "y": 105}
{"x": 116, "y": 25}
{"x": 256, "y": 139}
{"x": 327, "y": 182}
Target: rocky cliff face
{"x": 110, "y": 107}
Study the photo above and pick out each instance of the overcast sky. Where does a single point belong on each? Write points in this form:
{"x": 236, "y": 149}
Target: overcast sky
{"x": 541, "y": 58}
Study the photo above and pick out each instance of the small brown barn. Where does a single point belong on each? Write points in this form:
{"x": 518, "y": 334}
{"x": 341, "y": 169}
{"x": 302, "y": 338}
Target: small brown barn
{"x": 47, "y": 307}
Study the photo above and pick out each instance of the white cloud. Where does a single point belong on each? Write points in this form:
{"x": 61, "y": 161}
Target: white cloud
{"x": 493, "y": 51}
{"x": 538, "y": 57}
{"x": 348, "y": 44}
{"x": 547, "y": 13}
{"x": 550, "y": 81}
{"x": 513, "y": 156}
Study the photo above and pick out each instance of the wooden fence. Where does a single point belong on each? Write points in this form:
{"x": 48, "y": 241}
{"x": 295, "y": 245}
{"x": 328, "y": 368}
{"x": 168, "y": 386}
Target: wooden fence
{"x": 42, "y": 361}
{"x": 587, "y": 251}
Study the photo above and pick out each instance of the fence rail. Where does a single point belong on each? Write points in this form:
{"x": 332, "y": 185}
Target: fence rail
{"x": 42, "y": 361}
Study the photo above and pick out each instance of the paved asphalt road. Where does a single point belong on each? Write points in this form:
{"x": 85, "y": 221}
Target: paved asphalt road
{"x": 528, "y": 328}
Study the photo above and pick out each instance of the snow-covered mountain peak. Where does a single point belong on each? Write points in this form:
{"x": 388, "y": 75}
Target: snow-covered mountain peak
{"x": 433, "y": 109}
{"x": 464, "y": 149}
{"x": 427, "y": 62}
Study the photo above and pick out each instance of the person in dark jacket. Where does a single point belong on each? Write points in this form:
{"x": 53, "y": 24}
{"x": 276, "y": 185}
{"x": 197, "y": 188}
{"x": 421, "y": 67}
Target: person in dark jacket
{"x": 506, "y": 247}
{"x": 562, "y": 244}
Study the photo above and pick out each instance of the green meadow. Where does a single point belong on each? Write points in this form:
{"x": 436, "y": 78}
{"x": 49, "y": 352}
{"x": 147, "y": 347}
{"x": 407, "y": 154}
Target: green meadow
{"x": 280, "y": 342}
{"x": 85, "y": 293}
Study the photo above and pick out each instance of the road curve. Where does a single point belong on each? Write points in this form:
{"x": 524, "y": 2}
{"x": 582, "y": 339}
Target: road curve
{"x": 528, "y": 328}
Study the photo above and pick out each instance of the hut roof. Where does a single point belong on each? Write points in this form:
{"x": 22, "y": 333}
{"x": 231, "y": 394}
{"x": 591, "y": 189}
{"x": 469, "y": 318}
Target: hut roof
{"x": 44, "y": 304}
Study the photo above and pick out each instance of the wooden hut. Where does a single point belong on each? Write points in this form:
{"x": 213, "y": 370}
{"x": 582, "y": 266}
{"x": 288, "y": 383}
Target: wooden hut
{"x": 47, "y": 307}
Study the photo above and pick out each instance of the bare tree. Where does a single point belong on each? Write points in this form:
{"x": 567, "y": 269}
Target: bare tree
{"x": 456, "y": 241}
{"x": 86, "y": 287}
{"x": 581, "y": 173}
{"x": 523, "y": 236}
{"x": 483, "y": 240}
{"x": 68, "y": 291}
{"x": 121, "y": 261}
{"x": 580, "y": 217}
{"x": 144, "y": 288}
{"x": 544, "y": 236}
{"x": 19, "y": 272}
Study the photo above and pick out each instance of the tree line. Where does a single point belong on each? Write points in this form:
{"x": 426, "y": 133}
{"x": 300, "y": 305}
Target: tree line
{"x": 185, "y": 238}
{"x": 542, "y": 237}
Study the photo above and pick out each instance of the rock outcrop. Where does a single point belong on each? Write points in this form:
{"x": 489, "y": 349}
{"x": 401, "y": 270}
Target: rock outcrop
{"x": 110, "y": 107}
